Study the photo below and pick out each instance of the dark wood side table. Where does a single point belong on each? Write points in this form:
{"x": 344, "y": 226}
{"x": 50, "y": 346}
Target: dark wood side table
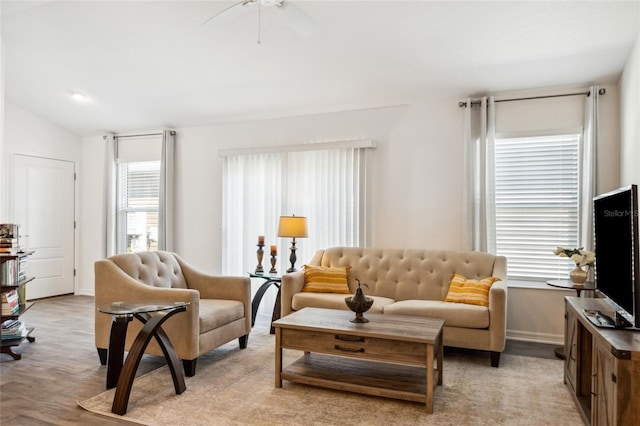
{"x": 121, "y": 376}
{"x": 570, "y": 285}
{"x": 255, "y": 303}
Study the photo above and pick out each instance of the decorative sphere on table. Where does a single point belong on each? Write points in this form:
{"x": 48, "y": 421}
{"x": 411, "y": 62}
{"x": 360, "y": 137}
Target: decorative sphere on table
{"x": 359, "y": 304}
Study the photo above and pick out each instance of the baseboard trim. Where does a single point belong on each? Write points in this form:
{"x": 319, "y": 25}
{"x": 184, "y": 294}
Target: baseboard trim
{"x": 527, "y": 336}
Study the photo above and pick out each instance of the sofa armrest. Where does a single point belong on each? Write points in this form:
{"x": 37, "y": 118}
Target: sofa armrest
{"x": 291, "y": 284}
{"x": 215, "y": 286}
{"x": 218, "y": 287}
{"x": 498, "y": 306}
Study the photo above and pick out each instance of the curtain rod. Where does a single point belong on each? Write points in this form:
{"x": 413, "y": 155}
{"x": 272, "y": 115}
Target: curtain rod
{"x": 602, "y": 91}
{"x": 314, "y": 146}
{"x": 173, "y": 133}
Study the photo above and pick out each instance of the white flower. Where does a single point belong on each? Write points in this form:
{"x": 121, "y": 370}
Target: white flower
{"x": 578, "y": 255}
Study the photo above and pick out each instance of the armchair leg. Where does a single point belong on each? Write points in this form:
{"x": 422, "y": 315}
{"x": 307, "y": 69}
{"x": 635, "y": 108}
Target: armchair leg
{"x": 243, "y": 341}
{"x": 495, "y": 359}
{"x": 102, "y": 353}
{"x": 189, "y": 367}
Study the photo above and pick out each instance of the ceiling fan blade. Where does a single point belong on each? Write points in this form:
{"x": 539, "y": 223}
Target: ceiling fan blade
{"x": 232, "y": 12}
{"x": 296, "y": 19}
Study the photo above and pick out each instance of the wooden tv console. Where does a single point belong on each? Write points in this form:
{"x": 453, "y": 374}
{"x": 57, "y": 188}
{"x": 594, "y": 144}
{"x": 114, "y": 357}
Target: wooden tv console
{"x": 602, "y": 366}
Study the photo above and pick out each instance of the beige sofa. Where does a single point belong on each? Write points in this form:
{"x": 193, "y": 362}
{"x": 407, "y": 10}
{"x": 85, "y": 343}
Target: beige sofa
{"x": 415, "y": 282}
{"x": 219, "y": 307}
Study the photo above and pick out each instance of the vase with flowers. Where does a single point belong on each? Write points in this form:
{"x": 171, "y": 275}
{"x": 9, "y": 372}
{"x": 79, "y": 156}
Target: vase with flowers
{"x": 584, "y": 259}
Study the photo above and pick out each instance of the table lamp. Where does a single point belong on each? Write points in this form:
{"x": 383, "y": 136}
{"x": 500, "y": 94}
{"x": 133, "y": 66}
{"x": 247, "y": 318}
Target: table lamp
{"x": 292, "y": 227}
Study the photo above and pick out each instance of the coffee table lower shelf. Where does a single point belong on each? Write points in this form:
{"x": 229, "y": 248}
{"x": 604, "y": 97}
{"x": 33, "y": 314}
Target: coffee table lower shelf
{"x": 362, "y": 376}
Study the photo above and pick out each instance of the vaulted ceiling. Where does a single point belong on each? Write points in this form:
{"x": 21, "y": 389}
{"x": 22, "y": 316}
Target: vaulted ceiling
{"x": 151, "y": 64}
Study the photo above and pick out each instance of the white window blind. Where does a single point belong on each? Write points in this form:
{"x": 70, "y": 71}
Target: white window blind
{"x": 537, "y": 191}
{"x": 328, "y": 186}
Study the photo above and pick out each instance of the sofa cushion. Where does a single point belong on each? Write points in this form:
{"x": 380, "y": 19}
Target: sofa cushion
{"x": 453, "y": 314}
{"x": 407, "y": 274}
{"x": 215, "y": 313}
{"x": 333, "y": 301}
{"x": 322, "y": 279}
{"x": 472, "y": 292}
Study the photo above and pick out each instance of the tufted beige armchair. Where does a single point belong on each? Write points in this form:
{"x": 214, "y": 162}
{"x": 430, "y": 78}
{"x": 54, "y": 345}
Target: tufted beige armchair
{"x": 219, "y": 307}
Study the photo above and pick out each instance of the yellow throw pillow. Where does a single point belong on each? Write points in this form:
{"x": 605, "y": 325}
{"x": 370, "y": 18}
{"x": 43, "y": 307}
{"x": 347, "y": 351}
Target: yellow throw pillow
{"x": 472, "y": 292}
{"x": 323, "y": 279}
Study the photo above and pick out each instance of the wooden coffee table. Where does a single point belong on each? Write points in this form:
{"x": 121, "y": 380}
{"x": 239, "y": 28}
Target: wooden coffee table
{"x": 391, "y": 355}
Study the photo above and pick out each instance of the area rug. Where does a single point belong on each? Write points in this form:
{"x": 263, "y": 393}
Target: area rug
{"x": 236, "y": 387}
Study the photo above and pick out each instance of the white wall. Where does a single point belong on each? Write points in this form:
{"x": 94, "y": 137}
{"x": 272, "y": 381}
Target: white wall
{"x": 540, "y": 116}
{"x": 407, "y": 166}
{"x": 29, "y": 134}
{"x": 92, "y": 219}
{"x": 630, "y": 119}
{"x": 3, "y": 202}
{"x": 417, "y": 181}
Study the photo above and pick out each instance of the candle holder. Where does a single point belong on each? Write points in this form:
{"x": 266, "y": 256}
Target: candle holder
{"x": 259, "y": 269}
{"x": 273, "y": 264}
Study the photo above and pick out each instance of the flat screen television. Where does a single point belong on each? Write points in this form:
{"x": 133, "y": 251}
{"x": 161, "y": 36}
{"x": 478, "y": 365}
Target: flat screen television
{"x": 616, "y": 248}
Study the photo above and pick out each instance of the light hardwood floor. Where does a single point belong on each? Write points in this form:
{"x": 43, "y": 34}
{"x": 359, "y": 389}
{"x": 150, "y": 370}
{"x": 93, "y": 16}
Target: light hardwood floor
{"x": 62, "y": 366}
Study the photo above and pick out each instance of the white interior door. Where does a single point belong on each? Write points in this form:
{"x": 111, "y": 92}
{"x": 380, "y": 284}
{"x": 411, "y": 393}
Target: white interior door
{"x": 43, "y": 202}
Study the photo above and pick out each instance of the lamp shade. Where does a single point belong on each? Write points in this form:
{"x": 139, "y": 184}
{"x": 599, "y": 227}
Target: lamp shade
{"x": 292, "y": 226}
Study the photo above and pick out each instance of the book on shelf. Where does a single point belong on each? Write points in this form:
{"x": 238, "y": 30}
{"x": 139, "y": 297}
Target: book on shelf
{"x": 10, "y": 239}
{"x": 9, "y": 272}
{"x": 15, "y": 330}
{"x": 11, "y": 250}
{"x": 8, "y": 296}
{"x": 10, "y": 302}
{"x": 12, "y": 271}
{"x": 9, "y": 245}
{"x": 10, "y": 323}
{"x": 9, "y": 230}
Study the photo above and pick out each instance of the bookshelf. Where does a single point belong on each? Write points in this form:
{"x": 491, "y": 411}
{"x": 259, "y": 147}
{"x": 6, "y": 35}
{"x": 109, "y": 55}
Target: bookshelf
{"x": 13, "y": 281}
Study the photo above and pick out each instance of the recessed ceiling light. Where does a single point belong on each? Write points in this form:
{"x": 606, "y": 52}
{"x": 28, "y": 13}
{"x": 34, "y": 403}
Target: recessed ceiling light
{"x": 79, "y": 97}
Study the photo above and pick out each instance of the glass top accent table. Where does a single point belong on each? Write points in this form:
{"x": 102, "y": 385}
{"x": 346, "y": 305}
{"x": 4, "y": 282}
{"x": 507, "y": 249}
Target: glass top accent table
{"x": 570, "y": 285}
{"x": 255, "y": 303}
{"x": 121, "y": 375}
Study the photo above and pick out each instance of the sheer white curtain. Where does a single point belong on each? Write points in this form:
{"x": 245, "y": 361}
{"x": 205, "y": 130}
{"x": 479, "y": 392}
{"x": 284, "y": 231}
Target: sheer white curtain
{"x": 328, "y": 186}
{"x": 330, "y": 181}
{"x": 587, "y": 166}
{"x": 110, "y": 196}
{"x": 479, "y": 190}
{"x": 252, "y": 189}
{"x": 166, "y": 223}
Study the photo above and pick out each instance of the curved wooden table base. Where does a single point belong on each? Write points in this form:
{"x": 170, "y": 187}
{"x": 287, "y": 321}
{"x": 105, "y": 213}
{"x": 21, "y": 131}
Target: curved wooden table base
{"x": 152, "y": 329}
{"x": 255, "y": 303}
